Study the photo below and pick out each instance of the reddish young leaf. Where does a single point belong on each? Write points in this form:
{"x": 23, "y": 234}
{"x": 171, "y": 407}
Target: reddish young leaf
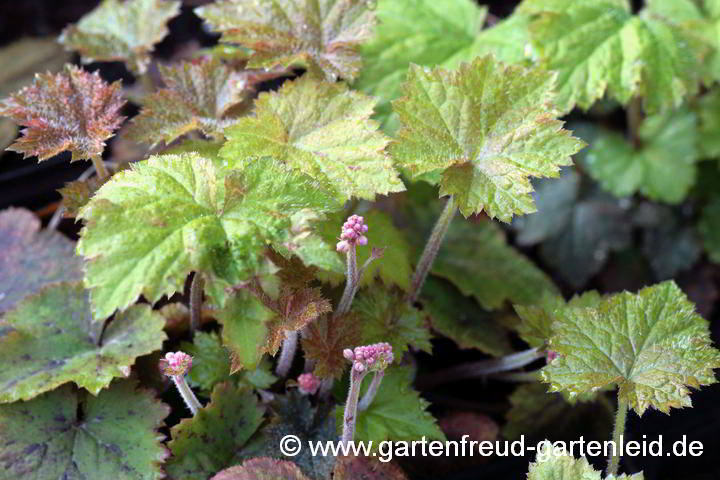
{"x": 262, "y": 468}
{"x": 73, "y": 110}
{"x": 325, "y": 341}
{"x": 198, "y": 96}
{"x": 322, "y": 35}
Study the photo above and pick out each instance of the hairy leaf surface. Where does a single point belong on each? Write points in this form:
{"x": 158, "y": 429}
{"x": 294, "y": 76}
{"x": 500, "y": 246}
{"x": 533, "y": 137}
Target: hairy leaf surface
{"x": 486, "y": 128}
{"x": 325, "y": 340}
{"x": 321, "y": 129}
{"x": 652, "y": 345}
{"x": 64, "y": 434}
{"x": 149, "y": 227}
{"x": 552, "y": 465}
{"x": 121, "y": 30}
{"x": 55, "y": 341}
{"x": 72, "y": 110}
{"x": 321, "y": 35}
{"x": 198, "y": 96}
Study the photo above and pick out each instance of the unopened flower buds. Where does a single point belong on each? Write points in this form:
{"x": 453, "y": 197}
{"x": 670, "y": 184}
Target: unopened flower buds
{"x": 353, "y": 233}
{"x": 371, "y": 358}
{"x": 176, "y": 363}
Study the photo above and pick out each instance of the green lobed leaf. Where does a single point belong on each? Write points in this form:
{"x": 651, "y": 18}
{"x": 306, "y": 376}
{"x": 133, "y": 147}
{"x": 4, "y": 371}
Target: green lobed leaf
{"x": 197, "y": 96}
{"x": 396, "y": 413}
{"x": 663, "y": 168}
{"x": 54, "y": 341}
{"x": 652, "y": 345}
{"x": 508, "y": 40}
{"x": 461, "y": 319}
{"x": 121, "y": 30}
{"x": 551, "y": 464}
{"x": 23, "y": 58}
{"x": 487, "y": 128}
{"x": 707, "y": 109}
{"x": 206, "y": 443}
{"x": 211, "y": 361}
{"x": 150, "y": 226}
{"x": 245, "y": 330}
{"x": 477, "y": 259}
{"x": 321, "y": 129}
{"x": 601, "y": 47}
{"x": 322, "y": 36}
{"x": 424, "y": 32}
{"x": 30, "y": 258}
{"x": 385, "y": 316}
{"x": 64, "y": 434}
{"x": 72, "y": 110}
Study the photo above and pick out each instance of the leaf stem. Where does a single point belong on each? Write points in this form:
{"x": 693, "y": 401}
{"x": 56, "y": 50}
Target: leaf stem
{"x": 100, "y": 168}
{"x": 480, "y": 369}
{"x": 618, "y": 433}
{"x": 372, "y": 390}
{"x": 431, "y": 249}
{"x": 196, "y": 301}
{"x": 351, "y": 281}
{"x": 350, "y": 414}
{"x": 287, "y": 353}
{"x": 187, "y": 394}
{"x": 634, "y": 116}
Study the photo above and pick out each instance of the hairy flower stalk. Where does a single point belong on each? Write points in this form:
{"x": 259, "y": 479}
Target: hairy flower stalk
{"x": 308, "y": 384}
{"x": 431, "y": 249}
{"x": 371, "y": 358}
{"x": 176, "y": 365}
{"x": 353, "y": 233}
{"x": 618, "y": 432}
{"x": 196, "y": 301}
{"x": 287, "y": 353}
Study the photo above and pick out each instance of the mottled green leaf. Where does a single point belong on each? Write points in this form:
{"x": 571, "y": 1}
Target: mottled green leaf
{"x": 321, "y": 129}
{"x": 55, "y": 341}
{"x": 559, "y": 464}
{"x": 487, "y": 128}
{"x": 206, "y": 443}
{"x": 463, "y": 320}
{"x": 321, "y": 35}
{"x": 396, "y": 413}
{"x": 652, "y": 345}
{"x": 508, "y": 40}
{"x": 150, "y": 226}
{"x": 600, "y": 47}
{"x": 72, "y": 110}
{"x": 478, "y": 260}
{"x": 121, "y": 30}
{"x": 707, "y": 109}
{"x": 64, "y": 434}
{"x": 424, "y": 32}
{"x": 30, "y": 258}
{"x": 197, "y": 96}
{"x": 385, "y": 316}
{"x": 211, "y": 361}
{"x": 663, "y": 168}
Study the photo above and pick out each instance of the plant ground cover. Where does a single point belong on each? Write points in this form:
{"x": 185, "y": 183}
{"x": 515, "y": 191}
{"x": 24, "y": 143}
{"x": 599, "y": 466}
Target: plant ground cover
{"x": 226, "y": 222}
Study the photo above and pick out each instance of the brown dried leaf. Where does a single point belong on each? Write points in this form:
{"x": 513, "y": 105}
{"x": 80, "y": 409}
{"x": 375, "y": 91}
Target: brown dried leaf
{"x": 73, "y": 110}
{"x": 296, "y": 309}
{"x": 262, "y": 468}
{"x": 366, "y": 468}
{"x": 293, "y": 272}
{"x": 322, "y": 35}
{"x": 325, "y": 341}
{"x": 31, "y": 259}
{"x": 198, "y": 96}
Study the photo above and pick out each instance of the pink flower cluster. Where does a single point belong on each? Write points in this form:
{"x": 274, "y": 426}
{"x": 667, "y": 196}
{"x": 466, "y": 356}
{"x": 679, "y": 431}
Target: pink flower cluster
{"x": 353, "y": 233}
{"x": 176, "y": 363}
{"x": 373, "y": 357}
{"x": 308, "y": 384}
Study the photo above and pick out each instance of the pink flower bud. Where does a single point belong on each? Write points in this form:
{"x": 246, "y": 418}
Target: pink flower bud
{"x": 176, "y": 363}
{"x": 352, "y": 233}
{"x": 308, "y": 384}
{"x": 348, "y": 354}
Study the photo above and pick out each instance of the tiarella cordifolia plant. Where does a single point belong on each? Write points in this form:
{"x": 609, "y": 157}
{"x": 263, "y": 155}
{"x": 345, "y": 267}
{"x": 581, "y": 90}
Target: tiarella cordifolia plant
{"x": 408, "y": 126}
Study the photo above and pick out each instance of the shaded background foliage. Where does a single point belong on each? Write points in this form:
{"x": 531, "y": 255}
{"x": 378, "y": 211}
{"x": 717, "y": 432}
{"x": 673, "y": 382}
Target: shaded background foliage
{"x": 627, "y": 259}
